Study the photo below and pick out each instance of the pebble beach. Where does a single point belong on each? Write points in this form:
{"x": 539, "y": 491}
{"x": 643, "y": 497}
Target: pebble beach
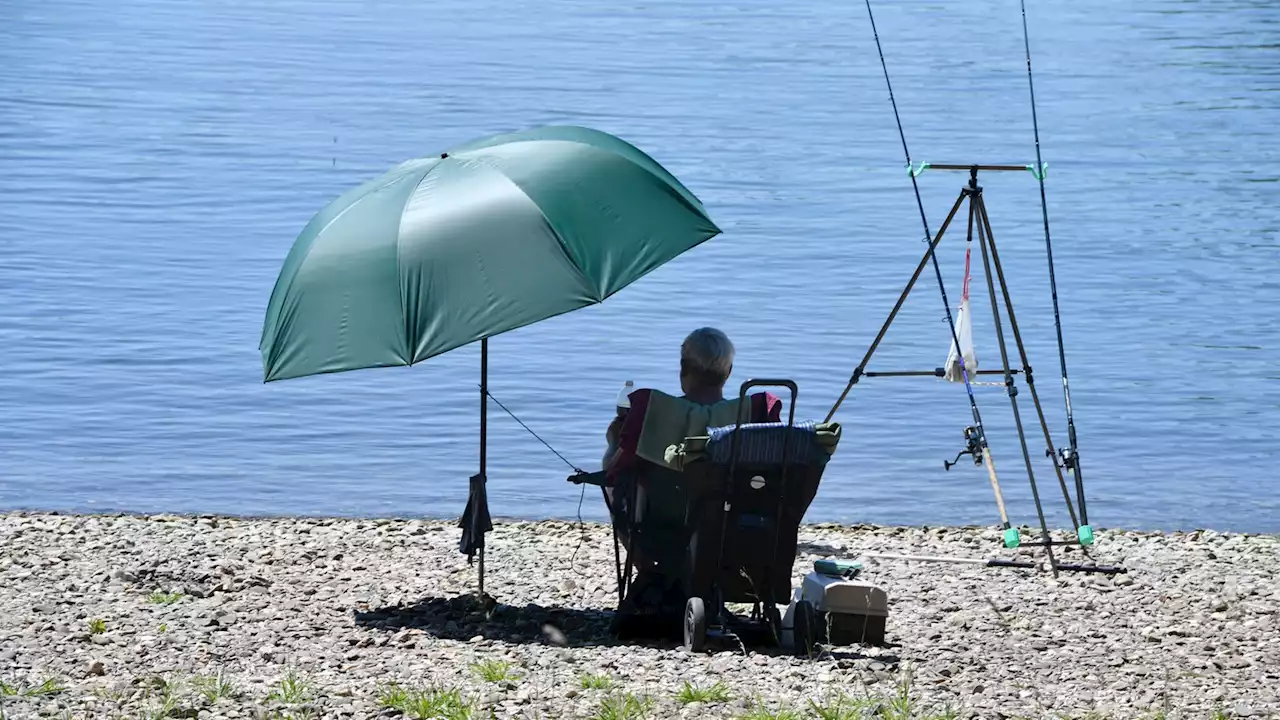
{"x": 117, "y": 616}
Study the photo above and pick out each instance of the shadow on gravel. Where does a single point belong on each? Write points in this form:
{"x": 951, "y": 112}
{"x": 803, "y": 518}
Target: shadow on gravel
{"x": 868, "y": 653}
{"x": 463, "y": 618}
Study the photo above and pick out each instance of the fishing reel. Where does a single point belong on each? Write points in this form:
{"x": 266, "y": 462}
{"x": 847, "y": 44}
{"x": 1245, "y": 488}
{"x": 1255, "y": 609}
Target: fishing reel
{"x": 973, "y": 447}
{"x": 1065, "y": 458}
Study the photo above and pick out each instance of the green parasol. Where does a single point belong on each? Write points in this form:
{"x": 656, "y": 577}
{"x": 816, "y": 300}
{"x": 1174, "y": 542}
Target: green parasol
{"x": 488, "y": 237}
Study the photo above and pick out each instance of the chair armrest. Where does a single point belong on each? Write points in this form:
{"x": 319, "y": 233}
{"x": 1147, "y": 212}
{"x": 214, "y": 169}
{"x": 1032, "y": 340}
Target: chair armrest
{"x": 598, "y": 478}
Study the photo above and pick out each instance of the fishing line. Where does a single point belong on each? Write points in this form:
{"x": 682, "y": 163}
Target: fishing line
{"x": 563, "y": 459}
{"x": 928, "y": 236}
{"x": 1053, "y": 282}
{"x": 582, "y": 536}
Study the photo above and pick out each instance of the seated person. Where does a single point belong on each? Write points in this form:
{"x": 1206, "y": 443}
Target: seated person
{"x": 706, "y": 361}
{"x": 636, "y": 463}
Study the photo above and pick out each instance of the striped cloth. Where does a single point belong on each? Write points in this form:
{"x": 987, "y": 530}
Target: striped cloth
{"x": 762, "y": 444}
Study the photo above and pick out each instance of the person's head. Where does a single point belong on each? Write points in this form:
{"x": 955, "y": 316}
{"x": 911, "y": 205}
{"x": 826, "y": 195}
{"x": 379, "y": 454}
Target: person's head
{"x": 706, "y": 361}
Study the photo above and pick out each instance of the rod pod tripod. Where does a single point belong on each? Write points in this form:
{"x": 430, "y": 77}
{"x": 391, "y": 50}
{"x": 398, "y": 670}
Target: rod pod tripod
{"x": 1064, "y": 462}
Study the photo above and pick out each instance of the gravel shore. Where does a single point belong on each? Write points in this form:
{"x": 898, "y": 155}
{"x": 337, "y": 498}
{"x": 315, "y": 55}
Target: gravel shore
{"x": 211, "y": 617}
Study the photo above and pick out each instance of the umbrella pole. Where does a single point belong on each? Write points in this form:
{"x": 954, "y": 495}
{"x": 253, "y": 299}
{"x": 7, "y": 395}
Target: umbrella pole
{"x": 484, "y": 435}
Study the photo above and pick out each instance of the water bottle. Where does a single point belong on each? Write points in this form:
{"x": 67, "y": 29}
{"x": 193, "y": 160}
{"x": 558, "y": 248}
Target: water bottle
{"x": 624, "y": 399}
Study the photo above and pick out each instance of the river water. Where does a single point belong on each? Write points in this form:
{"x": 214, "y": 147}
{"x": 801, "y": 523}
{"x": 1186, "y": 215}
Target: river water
{"x": 159, "y": 157}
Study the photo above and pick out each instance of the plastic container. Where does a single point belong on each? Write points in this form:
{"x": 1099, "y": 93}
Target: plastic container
{"x": 849, "y": 612}
{"x": 624, "y": 397}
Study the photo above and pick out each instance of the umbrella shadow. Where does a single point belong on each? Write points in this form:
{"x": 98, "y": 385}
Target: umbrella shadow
{"x": 463, "y": 618}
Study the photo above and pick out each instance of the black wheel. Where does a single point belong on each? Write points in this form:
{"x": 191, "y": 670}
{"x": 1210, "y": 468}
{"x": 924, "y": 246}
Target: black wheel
{"x": 803, "y": 628}
{"x": 695, "y": 625}
{"x": 773, "y": 619}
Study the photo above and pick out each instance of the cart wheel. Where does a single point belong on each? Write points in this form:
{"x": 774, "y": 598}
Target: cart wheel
{"x": 773, "y": 618}
{"x": 803, "y": 628}
{"x": 695, "y": 625}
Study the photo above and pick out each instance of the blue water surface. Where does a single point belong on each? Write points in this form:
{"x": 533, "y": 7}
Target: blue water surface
{"x": 158, "y": 157}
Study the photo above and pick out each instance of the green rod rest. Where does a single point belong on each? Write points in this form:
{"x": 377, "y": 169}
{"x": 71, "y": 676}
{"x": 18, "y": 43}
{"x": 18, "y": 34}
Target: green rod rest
{"x": 1085, "y": 534}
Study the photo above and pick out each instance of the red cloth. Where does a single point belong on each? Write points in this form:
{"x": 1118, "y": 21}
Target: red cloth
{"x": 765, "y": 408}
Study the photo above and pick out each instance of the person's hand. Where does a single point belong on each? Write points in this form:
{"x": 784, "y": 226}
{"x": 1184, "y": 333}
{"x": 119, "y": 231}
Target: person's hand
{"x": 615, "y": 428}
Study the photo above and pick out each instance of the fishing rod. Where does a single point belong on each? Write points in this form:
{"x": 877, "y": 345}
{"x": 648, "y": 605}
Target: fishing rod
{"x": 988, "y": 562}
{"x": 997, "y": 562}
{"x": 977, "y": 435}
{"x": 1070, "y": 458}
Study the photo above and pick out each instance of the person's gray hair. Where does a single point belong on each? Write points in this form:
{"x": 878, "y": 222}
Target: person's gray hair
{"x": 708, "y": 352}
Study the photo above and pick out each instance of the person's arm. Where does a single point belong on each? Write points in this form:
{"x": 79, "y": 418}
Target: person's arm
{"x": 629, "y": 427}
{"x": 611, "y": 436}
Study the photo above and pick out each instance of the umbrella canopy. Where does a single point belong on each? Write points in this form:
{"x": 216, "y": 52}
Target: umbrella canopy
{"x": 488, "y": 237}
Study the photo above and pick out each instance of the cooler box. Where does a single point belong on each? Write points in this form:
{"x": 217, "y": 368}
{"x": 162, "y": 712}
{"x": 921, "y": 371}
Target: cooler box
{"x": 849, "y": 611}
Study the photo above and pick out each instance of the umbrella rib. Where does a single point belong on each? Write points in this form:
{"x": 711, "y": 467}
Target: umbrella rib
{"x": 410, "y": 332}
{"x": 283, "y": 292}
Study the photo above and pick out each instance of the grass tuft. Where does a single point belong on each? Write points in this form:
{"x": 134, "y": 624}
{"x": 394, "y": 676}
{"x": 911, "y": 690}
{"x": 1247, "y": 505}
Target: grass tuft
{"x": 97, "y": 626}
{"x": 164, "y": 598}
{"x": 168, "y": 690}
{"x": 430, "y": 703}
{"x": 48, "y": 688}
{"x": 600, "y": 681}
{"x": 292, "y": 689}
{"x": 691, "y": 693}
{"x": 493, "y": 671}
{"x": 623, "y": 706}
{"x": 163, "y": 711}
{"x": 843, "y": 707}
{"x": 899, "y": 706}
{"x": 300, "y": 714}
{"x": 215, "y": 687}
{"x": 110, "y": 694}
{"x": 779, "y": 713}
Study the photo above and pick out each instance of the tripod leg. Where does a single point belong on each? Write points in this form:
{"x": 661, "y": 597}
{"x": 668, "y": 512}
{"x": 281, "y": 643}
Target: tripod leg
{"x": 1010, "y": 535}
{"x": 1026, "y": 365}
{"x": 862, "y": 366}
{"x": 983, "y": 240}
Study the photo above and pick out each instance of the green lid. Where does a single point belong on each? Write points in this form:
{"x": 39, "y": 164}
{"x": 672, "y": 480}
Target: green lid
{"x": 1085, "y": 533}
{"x": 837, "y": 568}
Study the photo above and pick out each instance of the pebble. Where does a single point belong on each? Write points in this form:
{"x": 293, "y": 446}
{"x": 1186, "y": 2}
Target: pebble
{"x": 352, "y": 605}
{"x": 124, "y": 576}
